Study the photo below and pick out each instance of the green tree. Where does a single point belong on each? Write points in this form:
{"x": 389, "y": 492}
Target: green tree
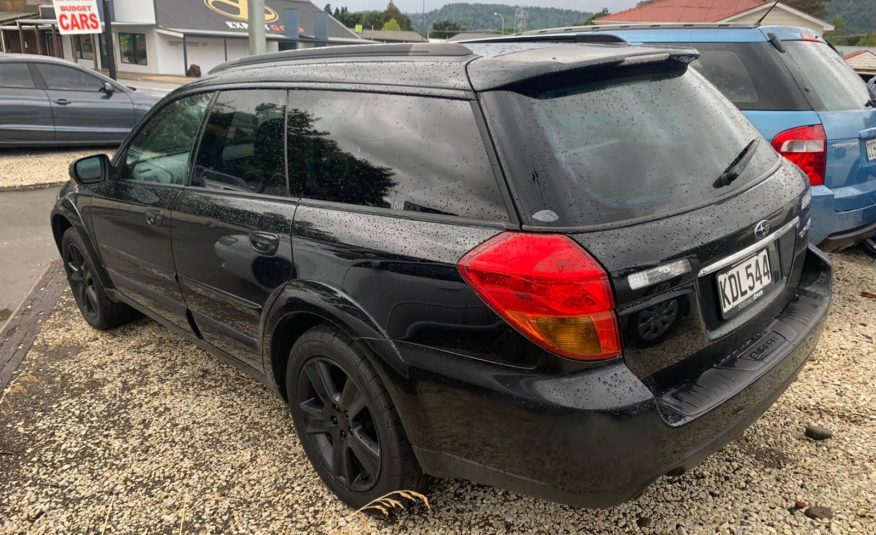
{"x": 591, "y": 18}
{"x": 446, "y": 29}
{"x": 816, "y": 8}
{"x": 392, "y": 25}
{"x": 346, "y": 18}
{"x": 393, "y": 12}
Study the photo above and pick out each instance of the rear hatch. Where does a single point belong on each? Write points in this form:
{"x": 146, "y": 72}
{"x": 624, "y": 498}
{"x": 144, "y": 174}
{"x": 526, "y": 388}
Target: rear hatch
{"x": 840, "y": 98}
{"x": 693, "y": 215}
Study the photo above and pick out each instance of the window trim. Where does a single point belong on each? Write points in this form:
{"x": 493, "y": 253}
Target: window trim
{"x": 513, "y": 221}
{"x": 122, "y": 154}
{"x": 121, "y": 57}
{"x": 26, "y": 68}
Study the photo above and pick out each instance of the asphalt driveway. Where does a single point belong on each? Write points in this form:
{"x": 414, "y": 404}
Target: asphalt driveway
{"x": 26, "y": 243}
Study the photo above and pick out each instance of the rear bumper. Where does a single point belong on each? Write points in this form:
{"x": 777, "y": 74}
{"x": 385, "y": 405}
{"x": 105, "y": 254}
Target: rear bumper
{"x": 842, "y": 217}
{"x": 599, "y": 437}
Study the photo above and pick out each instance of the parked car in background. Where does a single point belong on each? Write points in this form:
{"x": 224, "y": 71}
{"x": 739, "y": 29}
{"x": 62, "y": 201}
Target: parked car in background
{"x": 47, "y": 101}
{"x": 562, "y": 270}
{"x": 802, "y": 97}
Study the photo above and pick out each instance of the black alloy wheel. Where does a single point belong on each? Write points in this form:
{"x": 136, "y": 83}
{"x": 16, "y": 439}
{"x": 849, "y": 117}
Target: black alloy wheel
{"x": 654, "y": 322}
{"x": 338, "y": 422}
{"x": 82, "y": 281}
{"x": 95, "y": 305}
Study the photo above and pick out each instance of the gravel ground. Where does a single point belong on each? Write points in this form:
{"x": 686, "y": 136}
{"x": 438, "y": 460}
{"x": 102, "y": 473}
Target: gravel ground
{"x": 136, "y": 431}
{"x": 38, "y": 167}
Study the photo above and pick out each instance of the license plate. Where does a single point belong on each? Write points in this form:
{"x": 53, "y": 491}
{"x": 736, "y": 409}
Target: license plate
{"x": 744, "y": 283}
{"x": 871, "y": 149}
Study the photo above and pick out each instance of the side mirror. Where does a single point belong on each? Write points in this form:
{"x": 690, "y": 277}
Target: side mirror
{"x": 108, "y": 88}
{"x": 91, "y": 170}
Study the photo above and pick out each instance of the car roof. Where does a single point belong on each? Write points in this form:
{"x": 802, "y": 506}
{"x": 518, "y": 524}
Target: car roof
{"x": 453, "y": 66}
{"x": 34, "y": 58}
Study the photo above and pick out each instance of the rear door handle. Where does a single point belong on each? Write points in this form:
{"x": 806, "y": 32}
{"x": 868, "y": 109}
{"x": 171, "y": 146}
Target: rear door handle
{"x": 154, "y": 217}
{"x": 62, "y": 101}
{"x": 264, "y": 243}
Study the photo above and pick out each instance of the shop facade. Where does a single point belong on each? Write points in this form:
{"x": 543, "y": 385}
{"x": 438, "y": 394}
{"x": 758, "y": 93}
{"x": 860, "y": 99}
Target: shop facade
{"x": 169, "y": 37}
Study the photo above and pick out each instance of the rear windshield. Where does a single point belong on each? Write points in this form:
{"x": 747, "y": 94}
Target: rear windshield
{"x": 828, "y": 76}
{"x": 614, "y": 147}
{"x": 750, "y": 74}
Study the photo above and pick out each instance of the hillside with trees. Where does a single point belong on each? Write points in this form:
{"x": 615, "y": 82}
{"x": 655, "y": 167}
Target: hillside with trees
{"x": 454, "y": 18}
{"x": 856, "y": 20}
{"x": 482, "y": 18}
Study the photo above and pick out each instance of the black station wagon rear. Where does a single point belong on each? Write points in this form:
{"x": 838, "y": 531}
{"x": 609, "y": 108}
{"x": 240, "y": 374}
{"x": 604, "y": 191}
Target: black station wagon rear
{"x": 565, "y": 270}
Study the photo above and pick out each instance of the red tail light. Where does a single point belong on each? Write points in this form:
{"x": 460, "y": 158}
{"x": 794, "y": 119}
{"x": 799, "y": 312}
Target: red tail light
{"x": 805, "y": 146}
{"x": 548, "y": 288}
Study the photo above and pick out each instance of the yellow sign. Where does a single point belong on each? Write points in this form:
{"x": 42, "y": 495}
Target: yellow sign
{"x": 238, "y": 9}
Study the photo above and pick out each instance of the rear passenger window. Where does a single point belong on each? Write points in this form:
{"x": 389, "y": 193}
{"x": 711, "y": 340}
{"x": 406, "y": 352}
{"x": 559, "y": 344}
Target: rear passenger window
{"x": 391, "y": 151}
{"x": 242, "y": 147}
{"x": 725, "y": 70}
{"x": 15, "y": 75}
{"x": 751, "y": 75}
{"x": 61, "y": 77}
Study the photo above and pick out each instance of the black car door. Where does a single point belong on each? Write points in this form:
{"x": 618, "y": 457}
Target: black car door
{"x": 83, "y": 110}
{"x": 231, "y": 224}
{"x": 25, "y": 112}
{"x": 131, "y": 214}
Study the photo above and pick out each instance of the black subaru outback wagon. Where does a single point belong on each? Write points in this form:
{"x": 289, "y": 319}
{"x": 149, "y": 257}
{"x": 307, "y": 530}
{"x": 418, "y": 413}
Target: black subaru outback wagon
{"x": 564, "y": 270}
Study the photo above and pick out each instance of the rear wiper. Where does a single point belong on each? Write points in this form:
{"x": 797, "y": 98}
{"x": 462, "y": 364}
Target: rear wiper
{"x": 737, "y": 167}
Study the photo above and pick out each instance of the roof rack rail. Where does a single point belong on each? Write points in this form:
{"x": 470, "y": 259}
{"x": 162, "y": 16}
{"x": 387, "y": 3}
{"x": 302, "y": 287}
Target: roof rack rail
{"x": 594, "y": 38}
{"x": 350, "y": 51}
{"x": 644, "y": 26}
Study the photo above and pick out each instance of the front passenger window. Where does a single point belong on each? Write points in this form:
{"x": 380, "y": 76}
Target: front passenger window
{"x": 160, "y": 150}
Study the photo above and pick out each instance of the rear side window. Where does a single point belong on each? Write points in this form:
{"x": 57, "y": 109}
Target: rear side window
{"x": 391, "y": 151}
{"x": 242, "y": 148}
{"x": 15, "y": 75}
{"x": 60, "y": 77}
{"x": 624, "y": 144}
{"x": 751, "y": 75}
{"x": 828, "y": 76}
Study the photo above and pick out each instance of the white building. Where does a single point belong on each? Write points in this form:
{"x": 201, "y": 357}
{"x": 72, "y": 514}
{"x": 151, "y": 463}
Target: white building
{"x": 169, "y": 36}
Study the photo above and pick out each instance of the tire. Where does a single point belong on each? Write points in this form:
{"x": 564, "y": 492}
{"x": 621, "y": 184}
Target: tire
{"x": 340, "y": 430}
{"x": 96, "y": 307}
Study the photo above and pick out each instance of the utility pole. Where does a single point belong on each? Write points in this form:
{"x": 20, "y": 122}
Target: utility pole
{"x": 257, "y": 43}
{"x": 108, "y": 40}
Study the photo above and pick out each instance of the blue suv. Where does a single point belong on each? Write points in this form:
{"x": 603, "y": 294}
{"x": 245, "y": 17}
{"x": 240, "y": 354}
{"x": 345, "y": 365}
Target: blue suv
{"x": 800, "y": 95}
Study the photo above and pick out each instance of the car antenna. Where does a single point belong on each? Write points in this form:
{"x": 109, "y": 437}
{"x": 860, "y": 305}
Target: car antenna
{"x": 765, "y": 15}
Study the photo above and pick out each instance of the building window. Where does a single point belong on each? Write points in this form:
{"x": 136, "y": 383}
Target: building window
{"x": 84, "y": 46}
{"x": 132, "y": 48}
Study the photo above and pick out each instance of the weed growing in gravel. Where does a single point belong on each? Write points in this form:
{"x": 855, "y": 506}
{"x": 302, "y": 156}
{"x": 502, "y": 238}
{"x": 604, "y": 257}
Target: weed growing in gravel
{"x": 15, "y": 388}
{"x": 387, "y": 503}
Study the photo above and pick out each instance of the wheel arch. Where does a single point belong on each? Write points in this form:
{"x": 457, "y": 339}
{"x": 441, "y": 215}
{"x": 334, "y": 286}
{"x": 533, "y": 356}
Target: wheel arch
{"x": 302, "y": 305}
{"x": 64, "y": 217}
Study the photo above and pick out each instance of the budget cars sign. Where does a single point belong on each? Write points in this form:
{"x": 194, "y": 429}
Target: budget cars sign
{"x": 77, "y": 16}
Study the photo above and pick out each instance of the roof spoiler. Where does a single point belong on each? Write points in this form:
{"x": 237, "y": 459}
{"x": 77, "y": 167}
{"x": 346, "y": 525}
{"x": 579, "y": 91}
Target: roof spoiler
{"x": 493, "y": 72}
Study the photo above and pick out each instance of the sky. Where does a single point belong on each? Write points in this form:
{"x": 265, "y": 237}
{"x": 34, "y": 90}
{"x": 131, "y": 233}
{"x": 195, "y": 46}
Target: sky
{"x": 416, "y": 6}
